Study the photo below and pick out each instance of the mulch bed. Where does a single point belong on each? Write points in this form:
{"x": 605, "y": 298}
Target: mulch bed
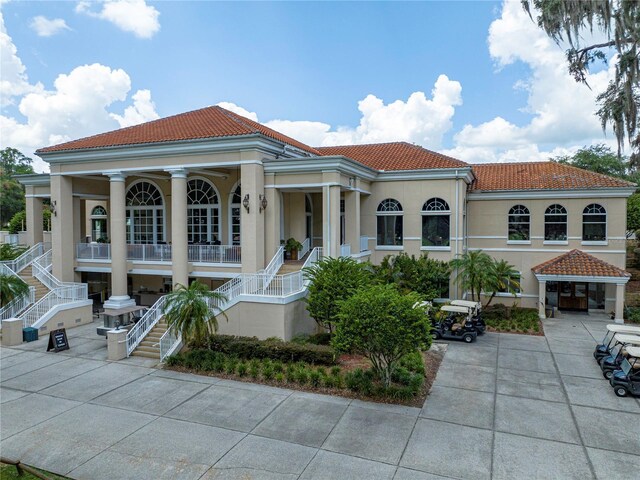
{"x": 432, "y": 360}
{"x": 525, "y": 332}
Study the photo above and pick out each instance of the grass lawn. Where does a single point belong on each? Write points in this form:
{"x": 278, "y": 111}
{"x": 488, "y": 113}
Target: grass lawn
{"x": 10, "y": 472}
{"x": 512, "y": 320}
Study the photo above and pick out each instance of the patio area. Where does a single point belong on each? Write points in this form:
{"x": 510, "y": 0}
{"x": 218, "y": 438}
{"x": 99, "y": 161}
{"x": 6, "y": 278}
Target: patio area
{"x": 508, "y": 406}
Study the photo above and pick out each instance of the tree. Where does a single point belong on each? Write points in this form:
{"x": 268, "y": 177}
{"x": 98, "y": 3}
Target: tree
{"x": 502, "y": 278}
{"x": 187, "y": 311}
{"x": 11, "y": 286}
{"x": 633, "y": 213}
{"x": 12, "y": 162}
{"x": 473, "y": 271}
{"x": 380, "y": 323}
{"x": 423, "y": 275}
{"x": 11, "y": 252}
{"x": 597, "y": 158}
{"x": 617, "y": 21}
{"x": 333, "y": 280}
{"x": 19, "y": 221}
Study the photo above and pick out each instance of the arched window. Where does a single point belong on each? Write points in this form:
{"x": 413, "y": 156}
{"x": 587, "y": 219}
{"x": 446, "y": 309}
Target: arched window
{"x": 389, "y": 223}
{"x": 145, "y": 213}
{"x": 235, "y": 203}
{"x": 555, "y": 223}
{"x": 594, "y": 223}
{"x": 436, "y": 216}
{"x": 308, "y": 210}
{"x": 519, "y": 223}
{"x": 203, "y": 212}
{"x": 99, "y": 224}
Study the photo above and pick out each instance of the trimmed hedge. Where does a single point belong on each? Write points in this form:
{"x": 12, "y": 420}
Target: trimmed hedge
{"x": 251, "y": 347}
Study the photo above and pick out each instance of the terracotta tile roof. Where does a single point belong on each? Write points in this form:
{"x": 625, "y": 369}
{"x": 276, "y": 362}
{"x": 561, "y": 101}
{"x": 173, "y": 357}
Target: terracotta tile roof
{"x": 209, "y": 122}
{"x": 539, "y": 176}
{"x": 393, "y": 156}
{"x": 576, "y": 262}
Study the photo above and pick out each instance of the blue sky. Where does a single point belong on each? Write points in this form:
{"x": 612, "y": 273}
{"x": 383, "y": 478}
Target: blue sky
{"x": 501, "y": 98}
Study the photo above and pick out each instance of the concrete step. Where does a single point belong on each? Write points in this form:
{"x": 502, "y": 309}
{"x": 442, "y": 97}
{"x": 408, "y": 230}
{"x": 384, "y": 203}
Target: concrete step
{"x": 137, "y": 353}
{"x": 143, "y": 348}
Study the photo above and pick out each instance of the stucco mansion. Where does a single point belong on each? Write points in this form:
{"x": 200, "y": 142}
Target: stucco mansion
{"x": 211, "y": 195}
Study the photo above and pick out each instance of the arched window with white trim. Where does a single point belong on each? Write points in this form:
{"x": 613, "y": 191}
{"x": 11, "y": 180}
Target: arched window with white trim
{"x": 145, "y": 213}
{"x": 389, "y": 218}
{"x": 436, "y": 221}
{"x": 235, "y": 204}
{"x": 555, "y": 223}
{"x": 594, "y": 223}
{"x": 519, "y": 223}
{"x": 99, "y": 224}
{"x": 203, "y": 212}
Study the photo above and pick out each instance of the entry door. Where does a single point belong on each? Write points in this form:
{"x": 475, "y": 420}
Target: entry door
{"x": 573, "y": 296}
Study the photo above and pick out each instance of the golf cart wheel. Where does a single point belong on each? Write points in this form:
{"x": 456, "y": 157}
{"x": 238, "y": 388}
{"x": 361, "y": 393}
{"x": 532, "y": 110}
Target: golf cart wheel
{"x": 607, "y": 374}
{"x": 620, "y": 391}
{"x": 468, "y": 338}
{"x": 437, "y": 335}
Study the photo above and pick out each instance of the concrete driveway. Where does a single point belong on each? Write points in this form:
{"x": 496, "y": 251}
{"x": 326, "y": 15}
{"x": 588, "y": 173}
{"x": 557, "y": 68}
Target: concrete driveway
{"x": 508, "y": 406}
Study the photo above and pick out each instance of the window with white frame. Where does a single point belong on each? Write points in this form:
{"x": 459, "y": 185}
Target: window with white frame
{"x": 145, "y": 214}
{"x": 389, "y": 219}
{"x": 514, "y": 283}
{"x": 436, "y": 219}
{"x": 594, "y": 223}
{"x": 519, "y": 223}
{"x": 234, "y": 218}
{"x": 203, "y": 212}
{"x": 555, "y": 223}
{"x": 99, "y": 224}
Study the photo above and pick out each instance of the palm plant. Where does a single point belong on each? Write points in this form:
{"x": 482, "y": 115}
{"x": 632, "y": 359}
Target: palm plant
{"x": 473, "y": 271}
{"x": 192, "y": 312}
{"x": 502, "y": 279}
{"x": 11, "y": 287}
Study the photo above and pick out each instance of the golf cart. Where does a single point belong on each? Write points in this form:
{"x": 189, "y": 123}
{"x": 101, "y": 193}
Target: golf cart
{"x": 612, "y": 362}
{"x": 627, "y": 380}
{"x": 456, "y": 325}
{"x": 602, "y": 349}
{"x": 475, "y": 310}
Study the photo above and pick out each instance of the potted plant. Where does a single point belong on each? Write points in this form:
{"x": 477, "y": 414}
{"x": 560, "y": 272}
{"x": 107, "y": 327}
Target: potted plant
{"x": 292, "y": 247}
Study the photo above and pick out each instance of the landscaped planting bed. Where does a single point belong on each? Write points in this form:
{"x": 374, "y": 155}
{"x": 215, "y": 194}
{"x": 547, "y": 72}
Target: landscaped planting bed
{"x": 502, "y": 319}
{"x": 306, "y": 366}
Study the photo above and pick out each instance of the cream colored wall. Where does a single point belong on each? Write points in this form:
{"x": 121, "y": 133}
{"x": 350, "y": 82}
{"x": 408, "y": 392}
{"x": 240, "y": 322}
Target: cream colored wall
{"x": 488, "y": 230}
{"x": 72, "y": 317}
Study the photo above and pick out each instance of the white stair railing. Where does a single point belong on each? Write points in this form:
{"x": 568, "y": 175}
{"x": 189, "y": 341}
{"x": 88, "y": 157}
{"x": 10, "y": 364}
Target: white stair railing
{"x": 345, "y": 250}
{"x": 306, "y": 246}
{"x": 15, "y": 306}
{"x": 23, "y": 261}
{"x": 145, "y": 324}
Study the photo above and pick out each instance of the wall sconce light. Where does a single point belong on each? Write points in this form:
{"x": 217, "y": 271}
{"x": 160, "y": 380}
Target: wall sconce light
{"x": 352, "y": 182}
{"x": 52, "y": 207}
{"x": 245, "y": 202}
{"x": 263, "y": 202}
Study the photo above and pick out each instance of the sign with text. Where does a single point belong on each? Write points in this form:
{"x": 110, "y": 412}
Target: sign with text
{"x": 58, "y": 340}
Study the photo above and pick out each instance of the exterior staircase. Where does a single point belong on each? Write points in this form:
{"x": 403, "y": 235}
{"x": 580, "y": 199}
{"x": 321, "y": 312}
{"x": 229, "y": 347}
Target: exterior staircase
{"x": 26, "y": 274}
{"x": 150, "y": 346}
{"x": 290, "y": 266}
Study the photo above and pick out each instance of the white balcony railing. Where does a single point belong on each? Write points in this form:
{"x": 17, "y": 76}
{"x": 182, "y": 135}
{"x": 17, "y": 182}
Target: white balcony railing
{"x": 345, "y": 250}
{"x": 161, "y": 253}
{"x": 364, "y": 243}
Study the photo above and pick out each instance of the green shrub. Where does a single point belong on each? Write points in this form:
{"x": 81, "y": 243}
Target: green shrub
{"x": 302, "y": 376}
{"x": 278, "y": 366}
{"x": 267, "y": 370}
{"x": 413, "y": 362}
{"x": 254, "y": 370}
{"x": 242, "y": 369}
{"x": 230, "y": 365}
{"x": 360, "y": 381}
{"x": 315, "y": 377}
{"x": 251, "y": 347}
{"x": 336, "y": 371}
{"x": 632, "y": 314}
{"x": 279, "y": 377}
{"x": 320, "y": 339}
{"x": 329, "y": 381}
{"x": 511, "y": 319}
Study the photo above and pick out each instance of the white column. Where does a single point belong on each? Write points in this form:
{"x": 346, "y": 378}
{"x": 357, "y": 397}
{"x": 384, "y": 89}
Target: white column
{"x": 118, "y": 237}
{"x": 252, "y": 222}
{"x": 179, "y": 237}
{"x": 62, "y": 237}
{"x": 619, "y": 317}
{"x": 352, "y": 218}
{"x": 542, "y": 295}
{"x": 34, "y": 218}
{"x": 272, "y": 222}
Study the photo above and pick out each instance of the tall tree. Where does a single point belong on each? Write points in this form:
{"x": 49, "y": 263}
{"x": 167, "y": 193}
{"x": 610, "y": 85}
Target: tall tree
{"x": 619, "y": 22}
{"x": 597, "y": 158}
{"x": 12, "y": 162}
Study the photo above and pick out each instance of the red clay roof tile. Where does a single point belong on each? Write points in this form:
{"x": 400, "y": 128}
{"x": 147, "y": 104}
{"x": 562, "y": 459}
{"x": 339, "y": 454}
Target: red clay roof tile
{"x": 577, "y": 262}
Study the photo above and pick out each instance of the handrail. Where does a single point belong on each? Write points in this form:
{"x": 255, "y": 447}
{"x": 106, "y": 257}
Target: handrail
{"x": 18, "y": 264}
{"x": 306, "y": 246}
{"x": 364, "y": 243}
{"x": 345, "y": 250}
{"x": 15, "y": 306}
{"x": 145, "y": 324}
{"x": 161, "y": 252}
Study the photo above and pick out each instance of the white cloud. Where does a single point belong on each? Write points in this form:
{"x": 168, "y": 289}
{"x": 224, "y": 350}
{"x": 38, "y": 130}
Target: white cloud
{"x": 14, "y": 81}
{"x": 563, "y": 111}
{"x": 419, "y": 119}
{"x": 133, "y": 16}
{"x": 239, "y": 110}
{"x": 47, "y": 28}
{"x": 77, "y": 106}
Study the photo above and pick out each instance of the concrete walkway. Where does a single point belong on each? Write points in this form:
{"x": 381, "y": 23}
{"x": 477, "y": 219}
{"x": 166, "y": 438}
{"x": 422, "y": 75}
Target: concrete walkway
{"x": 508, "y": 406}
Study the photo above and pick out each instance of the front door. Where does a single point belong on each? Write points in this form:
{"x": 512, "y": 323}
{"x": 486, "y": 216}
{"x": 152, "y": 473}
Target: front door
{"x": 573, "y": 296}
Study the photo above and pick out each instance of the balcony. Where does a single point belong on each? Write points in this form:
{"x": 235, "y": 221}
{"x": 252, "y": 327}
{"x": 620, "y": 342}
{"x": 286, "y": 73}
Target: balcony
{"x": 161, "y": 253}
